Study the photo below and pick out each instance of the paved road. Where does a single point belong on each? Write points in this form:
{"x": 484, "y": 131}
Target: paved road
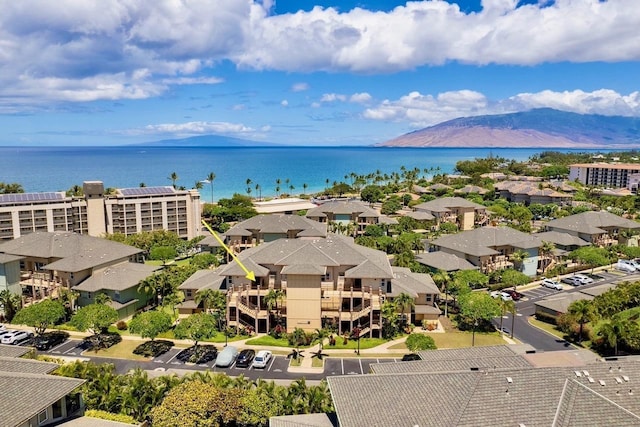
{"x": 541, "y": 340}
{"x": 276, "y": 369}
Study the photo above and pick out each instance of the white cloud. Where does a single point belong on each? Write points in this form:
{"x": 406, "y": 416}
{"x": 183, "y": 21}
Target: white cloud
{"x": 425, "y": 110}
{"x": 138, "y": 49}
{"x": 299, "y": 87}
{"x": 360, "y": 98}
{"x": 333, "y": 97}
{"x": 284, "y": 103}
{"x": 192, "y": 128}
{"x": 239, "y": 107}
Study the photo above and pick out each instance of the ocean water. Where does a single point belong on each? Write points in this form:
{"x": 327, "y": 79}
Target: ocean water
{"x": 59, "y": 168}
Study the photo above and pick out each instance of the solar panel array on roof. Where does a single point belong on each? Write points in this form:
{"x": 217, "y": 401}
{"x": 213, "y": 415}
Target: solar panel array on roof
{"x": 30, "y": 197}
{"x": 146, "y": 191}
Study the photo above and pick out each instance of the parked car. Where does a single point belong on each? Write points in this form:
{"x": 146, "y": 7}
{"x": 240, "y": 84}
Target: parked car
{"x": 15, "y": 337}
{"x": 501, "y": 294}
{"x": 49, "y": 340}
{"x": 262, "y": 359}
{"x": 582, "y": 279}
{"x": 5, "y": 331}
{"x": 245, "y": 358}
{"x": 625, "y": 265}
{"x": 227, "y": 356}
{"x": 550, "y": 283}
{"x": 410, "y": 356}
{"x": 515, "y": 295}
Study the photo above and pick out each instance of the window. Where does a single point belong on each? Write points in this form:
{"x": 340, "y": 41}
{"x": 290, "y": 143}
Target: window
{"x": 116, "y": 295}
{"x": 187, "y": 293}
{"x": 43, "y": 417}
{"x": 57, "y": 409}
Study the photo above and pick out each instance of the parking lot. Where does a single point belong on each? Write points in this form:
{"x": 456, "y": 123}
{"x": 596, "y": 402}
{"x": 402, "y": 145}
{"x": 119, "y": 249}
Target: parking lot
{"x": 602, "y": 276}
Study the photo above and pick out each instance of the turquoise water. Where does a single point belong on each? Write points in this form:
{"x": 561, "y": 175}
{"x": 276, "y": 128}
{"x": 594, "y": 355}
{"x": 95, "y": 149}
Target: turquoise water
{"x": 59, "y": 168}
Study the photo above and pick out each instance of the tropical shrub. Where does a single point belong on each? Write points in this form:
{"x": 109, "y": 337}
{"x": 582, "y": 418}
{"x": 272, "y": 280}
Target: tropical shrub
{"x": 418, "y": 342}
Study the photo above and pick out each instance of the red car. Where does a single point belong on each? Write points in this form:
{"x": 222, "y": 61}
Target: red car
{"x": 514, "y": 295}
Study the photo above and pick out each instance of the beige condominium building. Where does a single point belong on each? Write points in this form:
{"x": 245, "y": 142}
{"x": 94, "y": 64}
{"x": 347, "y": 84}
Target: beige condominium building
{"x": 603, "y": 174}
{"x": 126, "y": 210}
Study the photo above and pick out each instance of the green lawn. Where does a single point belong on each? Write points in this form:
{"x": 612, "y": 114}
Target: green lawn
{"x": 460, "y": 340}
{"x": 353, "y": 344}
{"x": 268, "y": 340}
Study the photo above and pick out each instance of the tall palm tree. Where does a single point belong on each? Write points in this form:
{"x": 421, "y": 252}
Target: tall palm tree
{"x": 259, "y": 190}
{"x": 442, "y": 279}
{"x": 11, "y": 303}
{"x": 271, "y": 299}
{"x": 320, "y": 335}
{"x": 546, "y": 251}
{"x": 210, "y": 178}
{"x": 198, "y": 185}
{"x": 214, "y": 302}
{"x": 583, "y": 312}
{"x": 304, "y": 187}
{"x": 404, "y": 302}
{"x": 173, "y": 177}
{"x": 518, "y": 258}
{"x": 613, "y": 331}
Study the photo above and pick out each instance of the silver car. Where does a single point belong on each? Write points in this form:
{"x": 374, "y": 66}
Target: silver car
{"x": 227, "y": 356}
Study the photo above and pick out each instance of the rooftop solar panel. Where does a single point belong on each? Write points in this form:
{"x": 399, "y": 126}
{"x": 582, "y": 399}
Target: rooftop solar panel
{"x": 30, "y": 197}
{"x": 146, "y": 191}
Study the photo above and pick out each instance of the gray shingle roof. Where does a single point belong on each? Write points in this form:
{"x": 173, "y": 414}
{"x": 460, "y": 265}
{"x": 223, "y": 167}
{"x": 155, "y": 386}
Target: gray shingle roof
{"x": 561, "y": 239}
{"x": 320, "y": 252}
{"x": 302, "y": 420}
{"x": 528, "y": 396}
{"x": 420, "y": 215}
{"x": 454, "y": 365}
{"x": 444, "y": 261}
{"x": 560, "y": 303}
{"x": 445, "y": 204}
{"x": 480, "y": 241}
{"x": 343, "y": 208}
{"x": 278, "y": 224}
{"x": 404, "y": 280}
{"x": 117, "y": 277}
{"x": 92, "y": 422}
{"x": 5, "y": 258}
{"x": 26, "y": 395}
{"x": 204, "y": 279}
{"x": 591, "y": 222}
{"x": 13, "y": 351}
{"x": 27, "y": 366}
{"x": 468, "y": 353}
{"x": 76, "y": 252}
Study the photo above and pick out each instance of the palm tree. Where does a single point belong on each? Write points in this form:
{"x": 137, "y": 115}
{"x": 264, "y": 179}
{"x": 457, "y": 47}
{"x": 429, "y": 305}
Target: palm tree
{"x": 272, "y": 298}
{"x": 320, "y": 335}
{"x": 142, "y": 185}
{"x": 11, "y": 303}
{"x": 583, "y": 312}
{"x": 259, "y": 190}
{"x": 210, "y": 178}
{"x": 518, "y": 258}
{"x": 613, "y": 331}
{"x": 304, "y": 187}
{"x": 442, "y": 279}
{"x": 404, "y": 302}
{"x": 546, "y": 251}
{"x": 173, "y": 177}
{"x": 214, "y": 301}
{"x": 198, "y": 185}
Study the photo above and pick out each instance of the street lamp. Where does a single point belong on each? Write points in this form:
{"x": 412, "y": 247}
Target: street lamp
{"x": 473, "y": 333}
{"x": 358, "y": 338}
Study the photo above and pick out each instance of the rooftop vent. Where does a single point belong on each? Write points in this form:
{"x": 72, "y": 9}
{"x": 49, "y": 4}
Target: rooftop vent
{"x": 619, "y": 380}
{"x": 625, "y": 378}
{"x": 602, "y": 383}
{"x": 591, "y": 380}
{"x": 509, "y": 380}
{"x": 578, "y": 374}
{"x": 586, "y": 373}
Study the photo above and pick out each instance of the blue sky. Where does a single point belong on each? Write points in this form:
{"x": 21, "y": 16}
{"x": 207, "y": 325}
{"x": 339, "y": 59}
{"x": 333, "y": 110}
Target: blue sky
{"x": 303, "y": 72}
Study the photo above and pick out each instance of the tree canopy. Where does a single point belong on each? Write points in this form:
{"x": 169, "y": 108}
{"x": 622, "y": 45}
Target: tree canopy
{"x": 150, "y": 324}
{"x": 94, "y": 318}
{"x": 41, "y": 315}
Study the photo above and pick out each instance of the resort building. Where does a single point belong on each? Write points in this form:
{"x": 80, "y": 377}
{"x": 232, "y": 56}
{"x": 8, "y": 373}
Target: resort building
{"x": 126, "y": 210}
{"x": 289, "y": 205}
{"x": 462, "y": 212}
{"x": 598, "y": 228}
{"x": 529, "y": 193}
{"x": 30, "y": 395}
{"x": 603, "y": 174}
{"x": 323, "y": 281}
{"x": 490, "y": 248}
{"x": 90, "y": 265}
{"x": 345, "y": 214}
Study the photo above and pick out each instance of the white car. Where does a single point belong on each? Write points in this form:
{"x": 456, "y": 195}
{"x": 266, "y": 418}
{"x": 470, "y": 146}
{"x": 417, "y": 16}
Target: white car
{"x": 635, "y": 263}
{"x": 14, "y": 337}
{"x": 550, "y": 283}
{"x": 498, "y": 294}
{"x": 262, "y": 359}
{"x": 625, "y": 265}
{"x": 581, "y": 279}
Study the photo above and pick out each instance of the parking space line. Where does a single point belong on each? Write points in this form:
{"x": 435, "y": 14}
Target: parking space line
{"x": 54, "y": 349}
{"x": 342, "y": 364}
{"x": 361, "y": 370}
{"x": 173, "y": 357}
{"x": 273, "y": 359}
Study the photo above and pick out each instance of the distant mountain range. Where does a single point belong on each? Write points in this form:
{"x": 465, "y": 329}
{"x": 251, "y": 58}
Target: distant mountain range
{"x": 539, "y": 128}
{"x": 209, "y": 141}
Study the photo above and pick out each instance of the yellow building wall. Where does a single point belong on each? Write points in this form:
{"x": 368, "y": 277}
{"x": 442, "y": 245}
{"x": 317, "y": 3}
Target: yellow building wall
{"x": 468, "y": 219}
{"x": 303, "y": 303}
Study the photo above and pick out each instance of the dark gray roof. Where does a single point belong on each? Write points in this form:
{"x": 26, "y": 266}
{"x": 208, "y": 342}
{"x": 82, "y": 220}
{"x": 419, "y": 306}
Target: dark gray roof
{"x": 349, "y": 207}
{"x": 4, "y": 258}
{"x": 92, "y": 422}
{"x": 560, "y": 303}
{"x": 13, "y": 351}
{"x": 204, "y": 279}
{"x": 302, "y": 420}
{"x": 523, "y": 396}
{"x": 27, "y": 366}
{"x": 278, "y": 224}
{"x": 468, "y": 353}
{"x": 444, "y": 261}
{"x": 420, "y": 215}
{"x": 480, "y": 241}
{"x": 445, "y": 204}
{"x": 26, "y": 395}
{"x": 75, "y": 252}
{"x": 320, "y": 252}
{"x": 404, "y": 280}
{"x": 592, "y": 222}
{"x": 117, "y": 277}
{"x": 560, "y": 238}
{"x": 454, "y": 365}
